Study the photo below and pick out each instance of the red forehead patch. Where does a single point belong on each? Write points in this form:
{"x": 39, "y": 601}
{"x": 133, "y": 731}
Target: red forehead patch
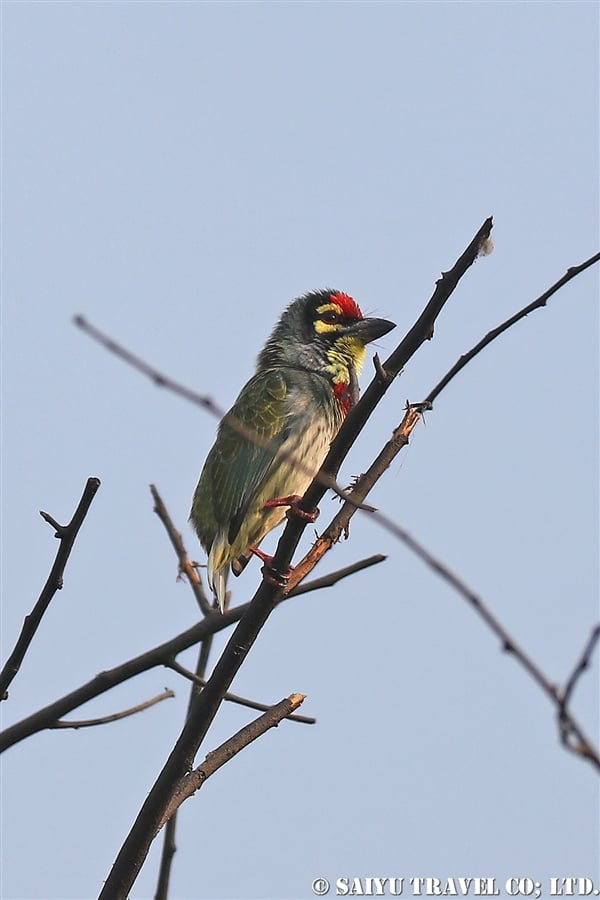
{"x": 348, "y": 305}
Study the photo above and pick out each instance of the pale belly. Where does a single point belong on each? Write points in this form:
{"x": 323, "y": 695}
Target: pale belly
{"x": 291, "y": 473}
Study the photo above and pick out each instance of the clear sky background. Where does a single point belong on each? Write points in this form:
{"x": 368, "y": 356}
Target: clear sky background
{"x": 178, "y": 172}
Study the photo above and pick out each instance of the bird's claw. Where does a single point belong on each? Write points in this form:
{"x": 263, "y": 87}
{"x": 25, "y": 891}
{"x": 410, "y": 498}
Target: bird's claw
{"x": 274, "y": 577}
{"x": 277, "y": 579}
{"x": 293, "y": 501}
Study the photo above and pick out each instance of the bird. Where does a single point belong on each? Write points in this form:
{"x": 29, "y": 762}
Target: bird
{"x": 274, "y": 439}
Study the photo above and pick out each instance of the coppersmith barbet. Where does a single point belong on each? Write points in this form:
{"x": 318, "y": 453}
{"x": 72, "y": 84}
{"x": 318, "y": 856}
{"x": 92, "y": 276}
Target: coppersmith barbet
{"x": 305, "y": 383}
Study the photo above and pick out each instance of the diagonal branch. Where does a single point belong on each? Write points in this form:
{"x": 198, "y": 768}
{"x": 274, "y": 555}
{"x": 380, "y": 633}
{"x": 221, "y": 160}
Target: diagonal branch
{"x": 582, "y": 744}
{"x": 217, "y": 758}
{"x": 169, "y": 847}
{"x": 185, "y": 565}
{"x": 580, "y": 667}
{"x": 504, "y": 326}
{"x": 66, "y": 535}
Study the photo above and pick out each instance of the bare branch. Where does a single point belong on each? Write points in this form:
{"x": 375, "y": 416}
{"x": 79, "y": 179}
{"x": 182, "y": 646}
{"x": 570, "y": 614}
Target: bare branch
{"x": 329, "y": 580}
{"x": 66, "y": 535}
{"x": 166, "y": 859}
{"x": 168, "y": 850}
{"x": 235, "y": 698}
{"x": 570, "y": 737}
{"x": 138, "y": 363}
{"x": 508, "y": 323}
{"x": 185, "y": 564}
{"x": 108, "y": 679}
{"x": 583, "y": 745}
{"x": 114, "y": 717}
{"x": 217, "y": 758}
{"x": 581, "y": 666}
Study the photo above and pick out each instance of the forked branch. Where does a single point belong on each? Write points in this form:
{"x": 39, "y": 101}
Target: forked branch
{"x": 235, "y": 698}
{"x": 66, "y": 534}
{"x": 217, "y": 758}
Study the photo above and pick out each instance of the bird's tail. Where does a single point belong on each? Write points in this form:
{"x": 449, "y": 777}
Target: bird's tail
{"x": 217, "y": 570}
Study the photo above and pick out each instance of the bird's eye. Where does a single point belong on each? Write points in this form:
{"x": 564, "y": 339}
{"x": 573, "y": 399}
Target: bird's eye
{"x": 331, "y": 318}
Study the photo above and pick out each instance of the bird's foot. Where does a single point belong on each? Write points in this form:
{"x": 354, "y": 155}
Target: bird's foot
{"x": 293, "y": 501}
{"x": 278, "y": 579}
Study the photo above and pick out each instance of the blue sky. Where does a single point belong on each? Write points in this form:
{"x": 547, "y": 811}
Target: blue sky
{"x": 177, "y": 172}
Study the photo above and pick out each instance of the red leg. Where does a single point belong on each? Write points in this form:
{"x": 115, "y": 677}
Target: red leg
{"x": 261, "y": 555}
{"x": 293, "y": 501}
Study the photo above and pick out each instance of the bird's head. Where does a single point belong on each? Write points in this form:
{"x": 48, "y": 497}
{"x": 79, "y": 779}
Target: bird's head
{"x": 323, "y": 331}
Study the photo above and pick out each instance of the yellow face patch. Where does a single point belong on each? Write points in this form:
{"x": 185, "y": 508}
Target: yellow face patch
{"x": 322, "y": 327}
{"x": 345, "y": 352}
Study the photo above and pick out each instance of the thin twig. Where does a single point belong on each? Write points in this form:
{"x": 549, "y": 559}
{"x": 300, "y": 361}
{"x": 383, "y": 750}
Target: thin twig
{"x": 114, "y": 717}
{"x": 508, "y": 323}
{"x": 153, "y": 374}
{"x": 66, "y": 534}
{"x": 230, "y": 748}
{"x": 565, "y": 719}
{"x": 185, "y": 564}
{"x": 584, "y": 746}
{"x": 234, "y": 698}
{"x": 333, "y": 577}
{"x": 581, "y": 666}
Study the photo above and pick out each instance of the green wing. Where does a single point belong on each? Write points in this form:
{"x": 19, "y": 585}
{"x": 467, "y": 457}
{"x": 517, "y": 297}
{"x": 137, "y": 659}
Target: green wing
{"x": 235, "y": 466}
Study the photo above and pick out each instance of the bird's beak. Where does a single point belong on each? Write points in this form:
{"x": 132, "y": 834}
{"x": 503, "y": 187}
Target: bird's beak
{"x": 367, "y": 330}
